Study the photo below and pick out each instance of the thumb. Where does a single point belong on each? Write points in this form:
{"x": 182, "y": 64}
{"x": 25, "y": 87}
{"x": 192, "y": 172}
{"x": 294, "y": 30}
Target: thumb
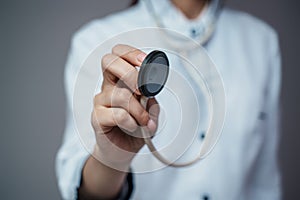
{"x": 153, "y": 110}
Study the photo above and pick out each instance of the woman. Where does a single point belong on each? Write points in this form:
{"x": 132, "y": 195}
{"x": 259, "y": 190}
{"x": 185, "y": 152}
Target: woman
{"x": 244, "y": 163}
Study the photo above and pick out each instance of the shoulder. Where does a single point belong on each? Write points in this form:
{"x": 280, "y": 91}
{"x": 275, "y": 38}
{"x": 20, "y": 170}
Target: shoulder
{"x": 247, "y": 26}
{"x": 242, "y": 32}
{"x": 98, "y": 30}
{"x": 246, "y": 21}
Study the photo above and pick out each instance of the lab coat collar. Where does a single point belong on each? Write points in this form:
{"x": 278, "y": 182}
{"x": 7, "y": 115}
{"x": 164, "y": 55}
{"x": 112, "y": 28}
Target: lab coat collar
{"x": 172, "y": 18}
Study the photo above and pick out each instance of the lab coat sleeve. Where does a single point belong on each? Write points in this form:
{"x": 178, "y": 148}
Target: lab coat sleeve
{"x": 265, "y": 182}
{"x": 71, "y": 155}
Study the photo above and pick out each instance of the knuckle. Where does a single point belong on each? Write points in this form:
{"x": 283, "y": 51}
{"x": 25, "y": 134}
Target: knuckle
{"x": 131, "y": 78}
{"x": 124, "y": 95}
{"x": 136, "y": 51}
{"x": 97, "y": 99}
{"x": 120, "y": 97}
{"x": 116, "y": 48}
{"x": 96, "y": 117}
{"x": 106, "y": 60}
{"x": 122, "y": 116}
{"x": 133, "y": 126}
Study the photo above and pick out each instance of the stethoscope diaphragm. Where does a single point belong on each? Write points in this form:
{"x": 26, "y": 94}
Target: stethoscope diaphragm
{"x": 153, "y": 73}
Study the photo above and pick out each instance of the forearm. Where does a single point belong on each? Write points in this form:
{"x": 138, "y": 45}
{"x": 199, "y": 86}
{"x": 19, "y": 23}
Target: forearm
{"x": 100, "y": 181}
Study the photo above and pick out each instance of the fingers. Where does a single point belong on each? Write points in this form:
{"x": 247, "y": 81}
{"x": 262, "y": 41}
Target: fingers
{"x": 116, "y": 105}
{"x": 129, "y": 53}
{"x": 123, "y": 98}
{"x": 107, "y": 118}
{"x": 120, "y": 65}
{"x": 115, "y": 69}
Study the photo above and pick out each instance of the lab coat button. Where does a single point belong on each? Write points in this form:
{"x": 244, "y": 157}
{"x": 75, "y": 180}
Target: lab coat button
{"x": 205, "y": 197}
{"x": 194, "y": 32}
{"x": 262, "y": 115}
{"x": 202, "y": 135}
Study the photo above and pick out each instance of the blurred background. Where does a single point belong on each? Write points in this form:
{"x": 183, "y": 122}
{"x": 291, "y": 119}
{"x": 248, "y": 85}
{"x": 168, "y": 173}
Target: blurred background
{"x": 34, "y": 41}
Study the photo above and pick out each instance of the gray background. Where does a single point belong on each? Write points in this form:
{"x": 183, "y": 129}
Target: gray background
{"x": 34, "y": 41}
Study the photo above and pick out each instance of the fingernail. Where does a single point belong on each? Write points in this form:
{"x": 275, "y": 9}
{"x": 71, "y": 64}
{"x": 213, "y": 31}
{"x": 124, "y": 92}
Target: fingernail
{"x": 151, "y": 125}
{"x": 141, "y": 57}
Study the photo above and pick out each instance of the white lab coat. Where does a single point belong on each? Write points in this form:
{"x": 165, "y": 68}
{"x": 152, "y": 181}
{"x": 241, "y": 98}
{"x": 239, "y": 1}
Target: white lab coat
{"x": 243, "y": 164}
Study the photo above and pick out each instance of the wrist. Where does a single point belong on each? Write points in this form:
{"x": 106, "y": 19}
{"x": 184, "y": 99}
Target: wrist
{"x": 113, "y": 158}
{"x": 100, "y": 181}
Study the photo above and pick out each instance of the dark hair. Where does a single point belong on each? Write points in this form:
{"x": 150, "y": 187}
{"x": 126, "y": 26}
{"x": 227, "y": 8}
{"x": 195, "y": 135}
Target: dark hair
{"x": 133, "y": 2}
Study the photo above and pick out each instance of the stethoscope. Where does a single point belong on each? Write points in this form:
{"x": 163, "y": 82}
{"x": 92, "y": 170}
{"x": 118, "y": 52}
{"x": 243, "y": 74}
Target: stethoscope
{"x": 154, "y": 73}
{"x": 152, "y": 78}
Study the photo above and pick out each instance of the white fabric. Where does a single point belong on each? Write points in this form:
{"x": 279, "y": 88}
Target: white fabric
{"x": 243, "y": 164}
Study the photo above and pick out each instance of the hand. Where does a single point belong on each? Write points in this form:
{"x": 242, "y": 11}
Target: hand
{"x": 118, "y": 113}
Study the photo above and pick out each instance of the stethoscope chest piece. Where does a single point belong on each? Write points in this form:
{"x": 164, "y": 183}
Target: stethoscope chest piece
{"x": 153, "y": 73}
